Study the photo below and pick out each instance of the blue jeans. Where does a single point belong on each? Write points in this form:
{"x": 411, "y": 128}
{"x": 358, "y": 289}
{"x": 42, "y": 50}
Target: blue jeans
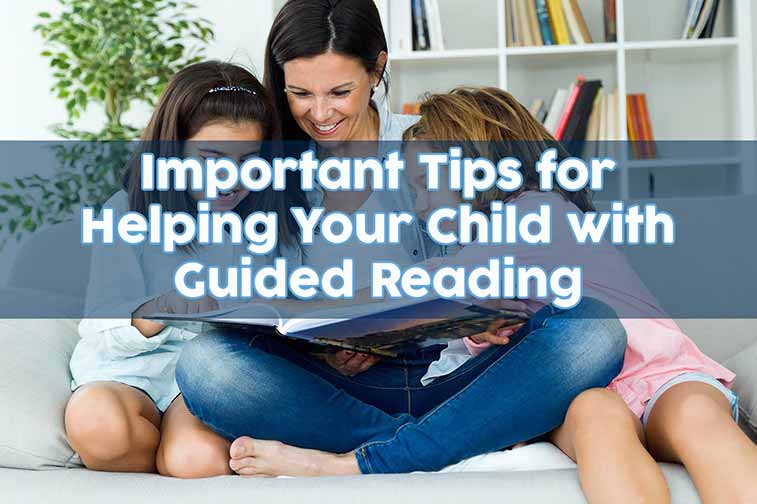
{"x": 266, "y": 388}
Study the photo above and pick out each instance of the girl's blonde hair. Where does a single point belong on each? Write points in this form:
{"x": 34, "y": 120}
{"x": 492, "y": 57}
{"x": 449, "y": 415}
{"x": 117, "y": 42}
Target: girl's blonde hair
{"x": 489, "y": 122}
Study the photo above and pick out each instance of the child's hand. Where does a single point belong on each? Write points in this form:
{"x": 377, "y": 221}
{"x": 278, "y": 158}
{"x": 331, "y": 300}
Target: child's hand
{"x": 496, "y": 334}
{"x": 173, "y": 302}
{"x": 170, "y": 302}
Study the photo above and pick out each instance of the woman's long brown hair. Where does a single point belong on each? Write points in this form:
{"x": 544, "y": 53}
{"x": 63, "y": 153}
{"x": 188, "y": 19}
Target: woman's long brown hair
{"x": 489, "y": 122}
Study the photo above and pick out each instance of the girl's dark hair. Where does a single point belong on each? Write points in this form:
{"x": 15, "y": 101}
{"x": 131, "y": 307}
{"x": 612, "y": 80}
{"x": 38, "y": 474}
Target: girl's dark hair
{"x": 308, "y": 28}
{"x": 185, "y": 107}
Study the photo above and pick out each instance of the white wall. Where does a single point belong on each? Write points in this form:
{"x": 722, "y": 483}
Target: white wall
{"x": 28, "y": 108}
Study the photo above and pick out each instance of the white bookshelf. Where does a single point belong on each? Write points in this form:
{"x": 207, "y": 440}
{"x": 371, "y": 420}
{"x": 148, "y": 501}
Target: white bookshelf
{"x": 696, "y": 89}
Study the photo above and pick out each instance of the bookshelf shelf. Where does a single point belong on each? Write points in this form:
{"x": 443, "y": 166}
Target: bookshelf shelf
{"x": 678, "y": 163}
{"x": 700, "y": 89}
{"x": 448, "y": 54}
{"x": 562, "y": 49}
{"x": 682, "y": 44}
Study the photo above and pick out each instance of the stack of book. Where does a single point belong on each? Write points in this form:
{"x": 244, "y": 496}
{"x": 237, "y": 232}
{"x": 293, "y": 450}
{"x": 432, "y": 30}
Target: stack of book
{"x": 640, "y": 127}
{"x": 585, "y": 113}
{"x": 583, "y": 116}
{"x": 569, "y": 112}
{"x": 416, "y": 25}
{"x": 552, "y": 22}
{"x": 700, "y": 19}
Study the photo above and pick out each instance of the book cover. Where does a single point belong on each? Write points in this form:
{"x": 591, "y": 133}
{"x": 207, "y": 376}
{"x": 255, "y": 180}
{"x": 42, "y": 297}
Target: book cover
{"x": 613, "y": 115}
{"x": 518, "y": 37}
{"x": 704, "y": 18}
{"x": 543, "y": 15}
{"x": 632, "y": 124}
{"x": 695, "y": 7}
{"x": 541, "y": 115}
{"x": 575, "y": 130}
{"x": 535, "y": 107}
{"x": 524, "y": 30}
{"x": 557, "y": 18}
{"x": 524, "y": 27}
{"x": 401, "y": 26}
{"x": 611, "y": 32}
{"x": 570, "y": 103}
{"x": 710, "y": 27}
{"x": 593, "y": 129}
{"x": 420, "y": 37}
{"x": 508, "y": 23}
{"x": 435, "y": 24}
{"x": 572, "y": 21}
{"x": 555, "y": 110}
{"x": 604, "y": 134}
{"x": 384, "y": 328}
{"x": 583, "y": 27}
{"x": 533, "y": 23}
{"x": 650, "y": 148}
{"x": 411, "y": 108}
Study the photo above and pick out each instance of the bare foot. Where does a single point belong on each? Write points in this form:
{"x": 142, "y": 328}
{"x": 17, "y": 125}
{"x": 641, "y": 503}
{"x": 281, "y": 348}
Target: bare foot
{"x": 254, "y": 457}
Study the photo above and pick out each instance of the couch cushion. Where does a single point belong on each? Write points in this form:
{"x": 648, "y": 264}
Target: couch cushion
{"x": 531, "y": 487}
{"x": 34, "y": 389}
{"x": 744, "y": 364}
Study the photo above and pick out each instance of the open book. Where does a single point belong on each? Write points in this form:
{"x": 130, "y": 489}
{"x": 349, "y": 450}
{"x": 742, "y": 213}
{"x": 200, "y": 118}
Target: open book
{"x": 383, "y": 327}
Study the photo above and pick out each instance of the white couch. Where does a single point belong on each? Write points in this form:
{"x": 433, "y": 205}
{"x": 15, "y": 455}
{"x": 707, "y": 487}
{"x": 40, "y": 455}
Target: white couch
{"x": 38, "y": 466}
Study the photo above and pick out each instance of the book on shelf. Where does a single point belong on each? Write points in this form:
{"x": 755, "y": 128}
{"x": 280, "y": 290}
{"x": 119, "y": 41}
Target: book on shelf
{"x": 536, "y": 108}
{"x": 593, "y": 128}
{"x": 646, "y": 127}
{"x": 579, "y": 32}
{"x": 434, "y": 18}
{"x": 610, "y": 17}
{"x": 509, "y": 27}
{"x": 710, "y": 27}
{"x": 411, "y": 108}
{"x": 523, "y": 27}
{"x": 640, "y": 127}
{"x": 382, "y": 328}
{"x": 700, "y": 19}
{"x": 543, "y": 15}
{"x": 578, "y": 121}
{"x": 533, "y": 23}
{"x": 420, "y": 29}
{"x": 557, "y": 22}
{"x": 570, "y": 104}
{"x": 555, "y": 110}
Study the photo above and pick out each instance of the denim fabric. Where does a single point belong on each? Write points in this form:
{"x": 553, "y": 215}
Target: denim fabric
{"x": 267, "y": 388}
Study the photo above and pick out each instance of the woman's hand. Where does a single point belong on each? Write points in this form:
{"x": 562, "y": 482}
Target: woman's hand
{"x": 497, "y": 333}
{"x": 350, "y": 363}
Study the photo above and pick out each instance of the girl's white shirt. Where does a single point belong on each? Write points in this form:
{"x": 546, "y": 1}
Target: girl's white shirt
{"x": 122, "y": 278}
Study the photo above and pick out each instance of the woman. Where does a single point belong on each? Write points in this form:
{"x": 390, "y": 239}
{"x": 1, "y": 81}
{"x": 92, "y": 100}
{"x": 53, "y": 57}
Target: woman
{"x": 324, "y": 59}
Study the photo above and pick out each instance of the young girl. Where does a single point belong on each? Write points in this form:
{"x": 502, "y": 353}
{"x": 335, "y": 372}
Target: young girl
{"x": 126, "y": 413}
{"x": 670, "y": 402}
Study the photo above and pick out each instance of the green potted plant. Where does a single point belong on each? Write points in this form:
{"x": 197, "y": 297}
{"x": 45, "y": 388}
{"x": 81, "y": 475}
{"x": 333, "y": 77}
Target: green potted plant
{"x": 110, "y": 54}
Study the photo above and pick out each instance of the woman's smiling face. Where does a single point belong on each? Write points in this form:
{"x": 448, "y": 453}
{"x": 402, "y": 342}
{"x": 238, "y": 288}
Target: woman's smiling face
{"x": 329, "y": 96}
